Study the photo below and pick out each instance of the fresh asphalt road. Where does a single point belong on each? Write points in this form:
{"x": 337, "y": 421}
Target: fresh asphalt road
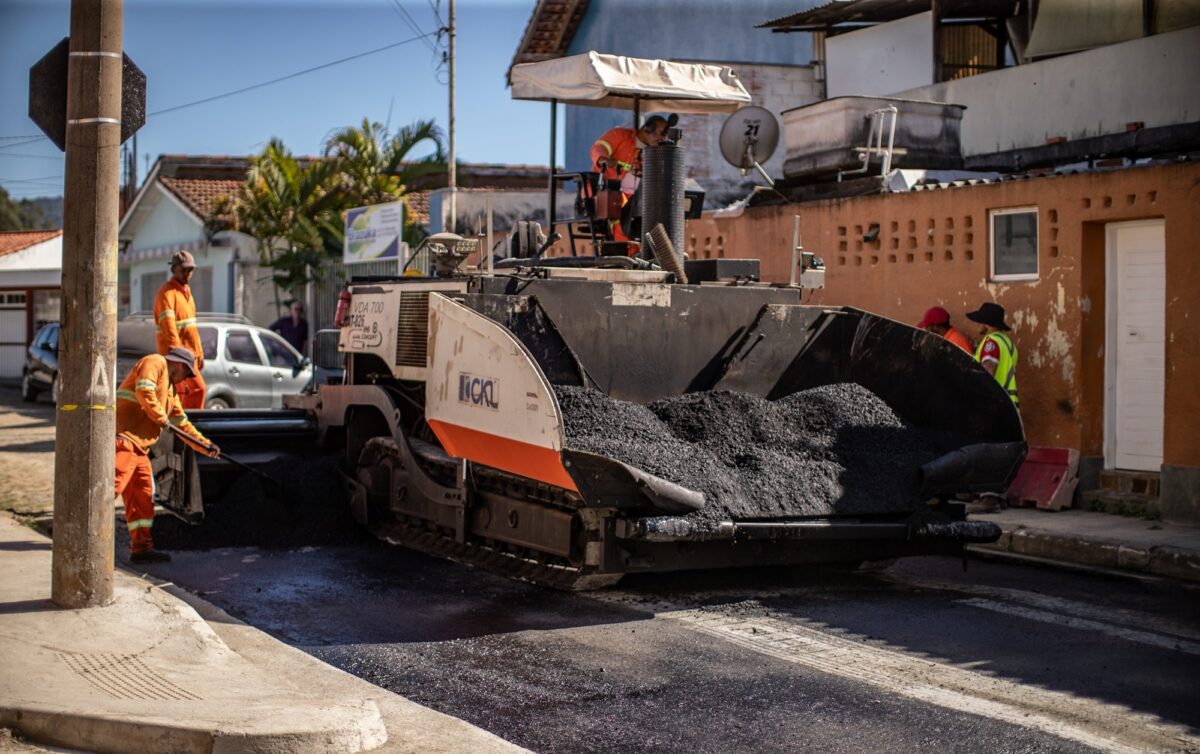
{"x": 921, "y": 657}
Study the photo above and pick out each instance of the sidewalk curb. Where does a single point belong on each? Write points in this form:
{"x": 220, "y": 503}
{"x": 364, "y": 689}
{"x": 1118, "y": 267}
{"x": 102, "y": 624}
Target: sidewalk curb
{"x": 1165, "y": 561}
{"x": 120, "y": 733}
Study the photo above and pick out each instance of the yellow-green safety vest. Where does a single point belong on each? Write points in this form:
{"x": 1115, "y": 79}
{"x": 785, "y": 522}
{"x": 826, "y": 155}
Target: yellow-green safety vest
{"x": 1006, "y": 369}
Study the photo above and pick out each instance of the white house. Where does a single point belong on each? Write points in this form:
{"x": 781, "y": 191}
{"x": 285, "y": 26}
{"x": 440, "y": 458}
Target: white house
{"x": 168, "y": 215}
{"x": 30, "y": 291}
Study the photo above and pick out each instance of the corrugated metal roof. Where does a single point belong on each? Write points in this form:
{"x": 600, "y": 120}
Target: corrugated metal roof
{"x": 865, "y": 12}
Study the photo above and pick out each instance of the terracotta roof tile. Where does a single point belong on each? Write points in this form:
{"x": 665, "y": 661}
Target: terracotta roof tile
{"x": 12, "y": 241}
{"x": 417, "y": 203}
{"x": 201, "y": 194}
{"x": 549, "y": 32}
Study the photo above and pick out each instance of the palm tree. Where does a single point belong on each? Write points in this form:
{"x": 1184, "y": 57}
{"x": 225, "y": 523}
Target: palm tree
{"x": 295, "y": 210}
{"x": 291, "y": 211}
{"x": 371, "y": 165}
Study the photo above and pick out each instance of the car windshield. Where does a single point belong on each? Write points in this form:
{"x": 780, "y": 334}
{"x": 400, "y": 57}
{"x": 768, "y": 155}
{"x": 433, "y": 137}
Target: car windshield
{"x": 279, "y": 353}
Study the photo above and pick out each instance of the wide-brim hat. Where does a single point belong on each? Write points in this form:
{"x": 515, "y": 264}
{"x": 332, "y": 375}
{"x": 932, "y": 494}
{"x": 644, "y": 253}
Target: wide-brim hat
{"x": 181, "y": 355}
{"x": 989, "y": 314}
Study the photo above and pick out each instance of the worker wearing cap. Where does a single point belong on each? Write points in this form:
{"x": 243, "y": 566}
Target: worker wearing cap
{"x": 996, "y": 351}
{"x": 146, "y": 404}
{"x": 937, "y": 320}
{"x": 175, "y": 317}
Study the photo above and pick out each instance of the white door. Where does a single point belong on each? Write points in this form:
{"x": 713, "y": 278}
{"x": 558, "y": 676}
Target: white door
{"x": 12, "y": 334}
{"x": 1135, "y": 367}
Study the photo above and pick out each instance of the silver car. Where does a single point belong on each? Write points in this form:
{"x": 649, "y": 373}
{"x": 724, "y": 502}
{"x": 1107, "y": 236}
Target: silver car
{"x": 245, "y": 366}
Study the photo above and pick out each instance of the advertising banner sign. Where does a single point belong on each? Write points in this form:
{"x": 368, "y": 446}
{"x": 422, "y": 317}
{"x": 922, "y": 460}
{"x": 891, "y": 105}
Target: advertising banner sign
{"x": 374, "y": 233}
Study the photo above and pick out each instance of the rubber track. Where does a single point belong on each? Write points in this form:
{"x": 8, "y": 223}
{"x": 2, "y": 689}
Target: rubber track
{"x": 523, "y": 564}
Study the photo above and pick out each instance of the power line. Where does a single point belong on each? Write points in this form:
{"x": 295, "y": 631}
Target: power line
{"x": 48, "y": 179}
{"x": 32, "y": 156}
{"x": 22, "y": 136}
{"x": 20, "y": 143}
{"x": 411, "y": 22}
{"x": 252, "y": 87}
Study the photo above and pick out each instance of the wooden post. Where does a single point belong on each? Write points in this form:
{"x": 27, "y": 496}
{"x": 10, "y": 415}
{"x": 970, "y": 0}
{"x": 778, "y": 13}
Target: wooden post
{"x": 86, "y": 419}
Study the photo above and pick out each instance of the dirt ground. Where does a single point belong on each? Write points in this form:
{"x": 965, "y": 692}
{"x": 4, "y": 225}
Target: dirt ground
{"x": 26, "y": 454}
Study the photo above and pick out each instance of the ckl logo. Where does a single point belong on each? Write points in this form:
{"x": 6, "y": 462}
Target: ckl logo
{"x": 478, "y": 391}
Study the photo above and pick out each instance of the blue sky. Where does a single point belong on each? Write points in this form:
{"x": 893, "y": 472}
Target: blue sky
{"x": 192, "y": 49}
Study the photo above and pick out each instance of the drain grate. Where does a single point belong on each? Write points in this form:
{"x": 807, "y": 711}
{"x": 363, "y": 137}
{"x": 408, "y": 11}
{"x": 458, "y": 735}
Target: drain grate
{"x": 123, "y": 676}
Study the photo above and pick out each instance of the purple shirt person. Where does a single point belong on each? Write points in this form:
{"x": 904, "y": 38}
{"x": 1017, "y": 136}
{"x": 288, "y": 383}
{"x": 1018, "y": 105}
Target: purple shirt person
{"x": 294, "y": 328}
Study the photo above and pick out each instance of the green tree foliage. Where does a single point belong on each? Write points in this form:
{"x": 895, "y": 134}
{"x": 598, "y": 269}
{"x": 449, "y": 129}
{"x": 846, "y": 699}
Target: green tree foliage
{"x": 22, "y": 215}
{"x": 296, "y": 208}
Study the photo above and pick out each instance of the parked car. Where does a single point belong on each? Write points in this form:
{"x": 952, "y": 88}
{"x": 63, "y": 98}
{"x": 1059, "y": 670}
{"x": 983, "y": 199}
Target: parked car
{"x": 245, "y": 366}
{"x": 40, "y": 372}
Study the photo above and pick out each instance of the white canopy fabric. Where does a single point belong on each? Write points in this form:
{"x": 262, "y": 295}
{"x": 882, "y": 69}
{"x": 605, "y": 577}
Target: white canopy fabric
{"x": 597, "y": 80}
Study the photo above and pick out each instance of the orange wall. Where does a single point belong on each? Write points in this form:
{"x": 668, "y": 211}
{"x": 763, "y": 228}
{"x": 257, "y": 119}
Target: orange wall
{"x": 932, "y": 248}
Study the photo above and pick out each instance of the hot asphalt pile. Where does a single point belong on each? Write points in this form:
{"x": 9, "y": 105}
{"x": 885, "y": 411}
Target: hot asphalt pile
{"x": 313, "y": 511}
{"x": 832, "y": 449}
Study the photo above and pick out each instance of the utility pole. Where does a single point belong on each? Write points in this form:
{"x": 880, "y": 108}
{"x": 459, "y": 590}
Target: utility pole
{"x": 86, "y": 419}
{"x": 452, "y": 170}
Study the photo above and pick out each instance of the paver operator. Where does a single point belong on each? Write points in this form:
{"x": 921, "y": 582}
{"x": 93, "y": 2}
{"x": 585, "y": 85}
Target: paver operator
{"x": 175, "y": 318}
{"x": 937, "y": 320}
{"x": 617, "y": 154}
{"x": 146, "y": 404}
{"x": 996, "y": 351}
{"x": 618, "y": 151}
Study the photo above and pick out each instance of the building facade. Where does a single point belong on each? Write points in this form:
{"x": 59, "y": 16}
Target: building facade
{"x": 30, "y": 291}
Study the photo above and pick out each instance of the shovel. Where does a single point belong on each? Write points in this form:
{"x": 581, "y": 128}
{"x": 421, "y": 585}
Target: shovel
{"x": 272, "y": 489}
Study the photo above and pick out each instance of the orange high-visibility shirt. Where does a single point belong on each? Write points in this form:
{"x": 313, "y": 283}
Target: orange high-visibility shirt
{"x": 146, "y": 398}
{"x": 960, "y": 340}
{"x": 619, "y": 145}
{"x": 175, "y": 316}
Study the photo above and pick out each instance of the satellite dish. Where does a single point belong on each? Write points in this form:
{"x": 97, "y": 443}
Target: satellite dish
{"x": 748, "y": 138}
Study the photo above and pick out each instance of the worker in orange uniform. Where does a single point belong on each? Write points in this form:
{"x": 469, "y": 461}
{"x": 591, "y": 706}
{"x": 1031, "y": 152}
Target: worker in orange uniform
{"x": 617, "y": 154}
{"x": 175, "y": 317}
{"x": 937, "y": 320}
{"x": 146, "y": 404}
{"x": 619, "y": 150}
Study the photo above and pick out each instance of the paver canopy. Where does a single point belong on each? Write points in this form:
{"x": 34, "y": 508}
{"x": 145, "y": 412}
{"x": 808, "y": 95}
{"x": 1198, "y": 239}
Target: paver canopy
{"x": 598, "y": 80}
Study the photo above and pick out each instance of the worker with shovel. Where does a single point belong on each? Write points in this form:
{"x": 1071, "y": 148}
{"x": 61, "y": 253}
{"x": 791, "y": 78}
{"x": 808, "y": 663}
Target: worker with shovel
{"x": 146, "y": 404}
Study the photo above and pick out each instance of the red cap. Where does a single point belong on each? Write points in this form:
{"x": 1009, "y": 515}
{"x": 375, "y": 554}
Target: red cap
{"x": 934, "y": 316}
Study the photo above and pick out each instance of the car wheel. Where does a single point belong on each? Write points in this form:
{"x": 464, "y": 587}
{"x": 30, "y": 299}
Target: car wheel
{"x": 29, "y": 393}
{"x": 216, "y": 404}
{"x": 55, "y": 390}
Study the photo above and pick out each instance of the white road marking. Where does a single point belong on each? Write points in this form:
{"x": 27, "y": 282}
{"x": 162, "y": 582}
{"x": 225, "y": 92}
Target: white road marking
{"x": 1102, "y": 726}
{"x": 1120, "y": 616}
{"x": 1085, "y": 624}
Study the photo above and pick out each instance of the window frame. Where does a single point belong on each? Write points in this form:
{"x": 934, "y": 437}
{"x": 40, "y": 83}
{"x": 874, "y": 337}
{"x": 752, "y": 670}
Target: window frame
{"x": 1008, "y": 277}
{"x": 266, "y": 335}
{"x": 228, "y": 357}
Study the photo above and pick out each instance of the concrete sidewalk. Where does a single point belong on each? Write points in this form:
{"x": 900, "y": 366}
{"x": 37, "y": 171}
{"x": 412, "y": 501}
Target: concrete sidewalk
{"x": 1098, "y": 540}
{"x": 148, "y": 673}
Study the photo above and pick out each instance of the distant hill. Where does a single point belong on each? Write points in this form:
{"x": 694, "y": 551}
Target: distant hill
{"x": 51, "y": 208}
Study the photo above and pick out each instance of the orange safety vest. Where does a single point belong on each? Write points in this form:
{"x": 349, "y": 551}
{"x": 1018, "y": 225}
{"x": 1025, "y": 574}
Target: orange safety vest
{"x": 175, "y": 317}
{"x": 620, "y": 146}
{"x": 144, "y": 399}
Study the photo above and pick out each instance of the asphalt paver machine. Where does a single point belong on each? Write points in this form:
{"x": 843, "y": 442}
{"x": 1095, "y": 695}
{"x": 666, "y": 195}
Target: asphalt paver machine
{"x": 453, "y": 440}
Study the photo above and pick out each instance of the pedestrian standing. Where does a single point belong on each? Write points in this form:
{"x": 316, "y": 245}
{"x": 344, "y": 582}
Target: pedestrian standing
{"x": 996, "y": 351}
{"x": 937, "y": 320}
{"x": 293, "y": 328}
{"x": 175, "y": 318}
{"x": 146, "y": 404}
